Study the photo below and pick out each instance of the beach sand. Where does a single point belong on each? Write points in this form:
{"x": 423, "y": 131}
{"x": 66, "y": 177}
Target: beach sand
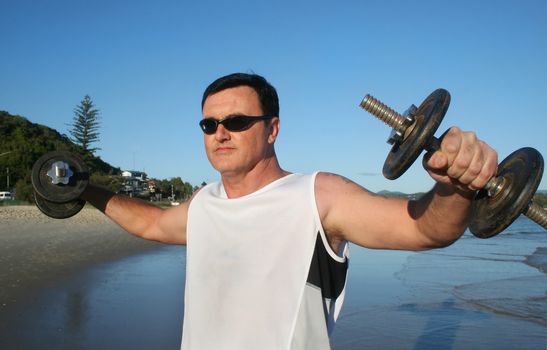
{"x": 37, "y": 251}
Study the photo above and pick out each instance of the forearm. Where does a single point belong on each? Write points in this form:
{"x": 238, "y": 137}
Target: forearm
{"x": 133, "y": 215}
{"x": 442, "y": 215}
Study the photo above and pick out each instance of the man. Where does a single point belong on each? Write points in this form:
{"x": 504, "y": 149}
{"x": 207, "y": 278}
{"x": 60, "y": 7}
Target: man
{"x": 267, "y": 249}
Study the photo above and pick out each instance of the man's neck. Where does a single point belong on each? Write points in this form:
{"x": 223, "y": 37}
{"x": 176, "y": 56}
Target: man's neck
{"x": 242, "y": 184}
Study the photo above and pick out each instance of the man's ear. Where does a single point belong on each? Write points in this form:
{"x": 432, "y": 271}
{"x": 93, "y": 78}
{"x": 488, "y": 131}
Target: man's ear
{"x": 273, "y": 130}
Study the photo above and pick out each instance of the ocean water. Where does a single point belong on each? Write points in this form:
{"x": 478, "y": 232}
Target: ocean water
{"x": 475, "y": 294}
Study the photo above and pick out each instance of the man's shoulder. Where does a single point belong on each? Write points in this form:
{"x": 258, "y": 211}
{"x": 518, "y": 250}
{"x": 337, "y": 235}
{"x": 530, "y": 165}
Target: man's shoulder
{"x": 331, "y": 179}
{"x": 331, "y": 188}
{"x": 327, "y": 187}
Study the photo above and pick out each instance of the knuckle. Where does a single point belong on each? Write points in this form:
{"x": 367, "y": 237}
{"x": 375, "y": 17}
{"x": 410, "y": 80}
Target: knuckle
{"x": 455, "y": 172}
{"x": 475, "y": 169}
{"x": 454, "y": 130}
{"x": 493, "y": 156}
{"x": 471, "y": 136}
{"x": 461, "y": 163}
{"x": 451, "y": 141}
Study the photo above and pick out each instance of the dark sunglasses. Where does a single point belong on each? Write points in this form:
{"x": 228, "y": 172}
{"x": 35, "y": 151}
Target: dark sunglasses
{"x": 231, "y": 123}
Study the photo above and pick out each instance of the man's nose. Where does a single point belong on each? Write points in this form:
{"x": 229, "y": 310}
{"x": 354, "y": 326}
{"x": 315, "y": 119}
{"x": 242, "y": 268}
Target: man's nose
{"x": 222, "y": 134}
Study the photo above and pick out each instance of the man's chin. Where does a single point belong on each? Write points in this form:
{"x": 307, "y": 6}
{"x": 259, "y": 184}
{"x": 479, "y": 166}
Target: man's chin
{"x": 225, "y": 169}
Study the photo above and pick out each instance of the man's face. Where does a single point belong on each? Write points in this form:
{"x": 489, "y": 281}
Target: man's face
{"x": 235, "y": 153}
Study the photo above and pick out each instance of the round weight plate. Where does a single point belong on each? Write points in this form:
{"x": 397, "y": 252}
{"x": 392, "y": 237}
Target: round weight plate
{"x": 58, "y": 210}
{"x": 522, "y": 171}
{"x": 59, "y": 193}
{"x": 427, "y": 119}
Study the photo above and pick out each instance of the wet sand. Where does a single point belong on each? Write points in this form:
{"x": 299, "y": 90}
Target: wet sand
{"x": 37, "y": 251}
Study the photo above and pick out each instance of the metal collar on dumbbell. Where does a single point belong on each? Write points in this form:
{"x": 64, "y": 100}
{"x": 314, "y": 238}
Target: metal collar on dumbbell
{"x": 60, "y": 173}
{"x": 398, "y": 135}
{"x": 495, "y": 185}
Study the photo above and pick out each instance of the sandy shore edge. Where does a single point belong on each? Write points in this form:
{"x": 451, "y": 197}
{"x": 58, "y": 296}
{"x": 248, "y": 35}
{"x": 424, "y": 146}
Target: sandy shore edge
{"x": 37, "y": 251}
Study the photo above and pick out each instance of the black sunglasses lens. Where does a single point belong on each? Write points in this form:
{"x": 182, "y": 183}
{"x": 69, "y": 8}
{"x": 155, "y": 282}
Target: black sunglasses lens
{"x": 237, "y": 123}
{"x": 233, "y": 123}
{"x": 209, "y": 126}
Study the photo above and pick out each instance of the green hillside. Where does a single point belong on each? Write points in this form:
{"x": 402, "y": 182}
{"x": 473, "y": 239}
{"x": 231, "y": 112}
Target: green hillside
{"x": 23, "y": 142}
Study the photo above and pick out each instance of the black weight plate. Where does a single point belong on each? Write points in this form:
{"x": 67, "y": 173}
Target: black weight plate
{"x": 59, "y": 193}
{"x": 58, "y": 210}
{"x": 427, "y": 118}
{"x": 522, "y": 171}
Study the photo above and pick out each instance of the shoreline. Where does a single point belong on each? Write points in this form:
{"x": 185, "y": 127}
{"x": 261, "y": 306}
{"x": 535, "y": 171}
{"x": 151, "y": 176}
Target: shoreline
{"x": 37, "y": 251}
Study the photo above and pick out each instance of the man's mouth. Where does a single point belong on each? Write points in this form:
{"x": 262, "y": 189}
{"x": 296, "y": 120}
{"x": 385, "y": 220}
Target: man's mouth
{"x": 224, "y": 149}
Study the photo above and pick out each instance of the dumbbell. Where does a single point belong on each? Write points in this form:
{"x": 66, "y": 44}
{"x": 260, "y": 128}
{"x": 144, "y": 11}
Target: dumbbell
{"x": 505, "y": 196}
{"x": 58, "y": 179}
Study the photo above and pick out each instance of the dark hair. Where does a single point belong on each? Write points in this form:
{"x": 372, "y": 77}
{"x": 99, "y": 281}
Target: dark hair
{"x": 266, "y": 92}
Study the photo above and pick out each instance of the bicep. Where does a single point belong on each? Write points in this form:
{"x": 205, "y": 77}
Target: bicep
{"x": 170, "y": 226}
{"x": 173, "y": 223}
{"x": 350, "y": 212}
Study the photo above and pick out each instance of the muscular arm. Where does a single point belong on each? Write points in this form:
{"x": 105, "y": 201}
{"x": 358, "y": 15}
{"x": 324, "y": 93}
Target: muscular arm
{"x": 349, "y": 212}
{"x": 141, "y": 218}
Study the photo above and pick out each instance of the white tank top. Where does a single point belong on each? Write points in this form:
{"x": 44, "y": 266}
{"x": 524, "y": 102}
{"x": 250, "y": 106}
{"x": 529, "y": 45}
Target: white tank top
{"x": 247, "y": 268}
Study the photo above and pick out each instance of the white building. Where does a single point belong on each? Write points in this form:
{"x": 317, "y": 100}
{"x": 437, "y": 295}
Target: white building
{"x": 135, "y": 182}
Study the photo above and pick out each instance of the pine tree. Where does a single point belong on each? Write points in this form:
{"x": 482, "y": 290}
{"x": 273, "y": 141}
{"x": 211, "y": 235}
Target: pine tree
{"x": 85, "y": 126}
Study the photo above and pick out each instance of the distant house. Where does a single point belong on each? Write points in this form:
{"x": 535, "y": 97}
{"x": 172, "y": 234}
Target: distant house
{"x": 134, "y": 174}
{"x": 135, "y": 183}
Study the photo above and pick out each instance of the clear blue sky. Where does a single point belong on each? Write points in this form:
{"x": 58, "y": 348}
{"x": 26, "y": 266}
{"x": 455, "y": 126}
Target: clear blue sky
{"x": 145, "y": 65}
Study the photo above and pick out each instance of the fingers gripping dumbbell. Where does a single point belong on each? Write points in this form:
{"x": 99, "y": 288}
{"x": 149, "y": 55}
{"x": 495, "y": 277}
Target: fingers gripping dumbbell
{"x": 58, "y": 179}
{"x": 505, "y": 196}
